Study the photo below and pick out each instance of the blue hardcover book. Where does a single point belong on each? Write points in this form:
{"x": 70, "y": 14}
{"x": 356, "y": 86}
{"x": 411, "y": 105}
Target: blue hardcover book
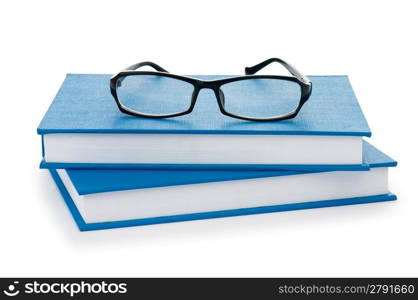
{"x": 84, "y": 128}
{"x": 102, "y": 199}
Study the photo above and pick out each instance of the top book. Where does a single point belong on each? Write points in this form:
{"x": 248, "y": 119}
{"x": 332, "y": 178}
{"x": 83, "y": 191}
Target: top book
{"x": 83, "y": 125}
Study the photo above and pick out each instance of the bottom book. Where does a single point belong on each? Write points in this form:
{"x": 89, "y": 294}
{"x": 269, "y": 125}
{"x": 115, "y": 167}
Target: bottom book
{"x": 104, "y": 199}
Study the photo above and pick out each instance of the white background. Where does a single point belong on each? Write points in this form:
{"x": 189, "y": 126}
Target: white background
{"x": 374, "y": 42}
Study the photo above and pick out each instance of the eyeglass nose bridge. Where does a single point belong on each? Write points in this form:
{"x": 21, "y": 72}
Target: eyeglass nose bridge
{"x": 214, "y": 86}
{"x": 200, "y": 84}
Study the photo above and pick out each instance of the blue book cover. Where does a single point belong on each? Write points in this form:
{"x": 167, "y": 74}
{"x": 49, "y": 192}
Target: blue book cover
{"x": 85, "y": 105}
{"x": 98, "y": 181}
{"x": 206, "y": 167}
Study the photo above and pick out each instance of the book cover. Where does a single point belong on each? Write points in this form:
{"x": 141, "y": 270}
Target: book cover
{"x": 85, "y": 105}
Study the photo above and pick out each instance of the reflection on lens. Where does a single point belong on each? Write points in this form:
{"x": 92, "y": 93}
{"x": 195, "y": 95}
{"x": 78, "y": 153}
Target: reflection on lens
{"x": 154, "y": 95}
{"x": 261, "y": 98}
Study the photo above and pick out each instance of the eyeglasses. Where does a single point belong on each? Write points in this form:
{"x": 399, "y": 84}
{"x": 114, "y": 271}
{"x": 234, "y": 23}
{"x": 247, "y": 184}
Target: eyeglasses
{"x": 160, "y": 94}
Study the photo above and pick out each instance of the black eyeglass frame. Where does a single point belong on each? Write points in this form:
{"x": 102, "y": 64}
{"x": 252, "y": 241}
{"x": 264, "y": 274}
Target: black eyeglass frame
{"x": 215, "y": 85}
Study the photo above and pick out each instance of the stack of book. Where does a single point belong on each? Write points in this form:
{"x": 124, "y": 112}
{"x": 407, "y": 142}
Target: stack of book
{"x": 115, "y": 170}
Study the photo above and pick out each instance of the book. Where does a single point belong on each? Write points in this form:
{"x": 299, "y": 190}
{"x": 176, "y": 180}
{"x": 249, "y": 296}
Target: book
{"x": 102, "y": 199}
{"x": 84, "y": 128}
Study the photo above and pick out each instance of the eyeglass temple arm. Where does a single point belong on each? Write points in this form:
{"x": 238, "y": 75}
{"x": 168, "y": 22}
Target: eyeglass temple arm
{"x": 144, "y": 64}
{"x": 140, "y": 65}
{"x": 254, "y": 69}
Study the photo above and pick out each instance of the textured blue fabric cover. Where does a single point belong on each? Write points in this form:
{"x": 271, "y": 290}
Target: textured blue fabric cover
{"x": 84, "y": 104}
{"x": 215, "y": 167}
{"x": 95, "y": 181}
